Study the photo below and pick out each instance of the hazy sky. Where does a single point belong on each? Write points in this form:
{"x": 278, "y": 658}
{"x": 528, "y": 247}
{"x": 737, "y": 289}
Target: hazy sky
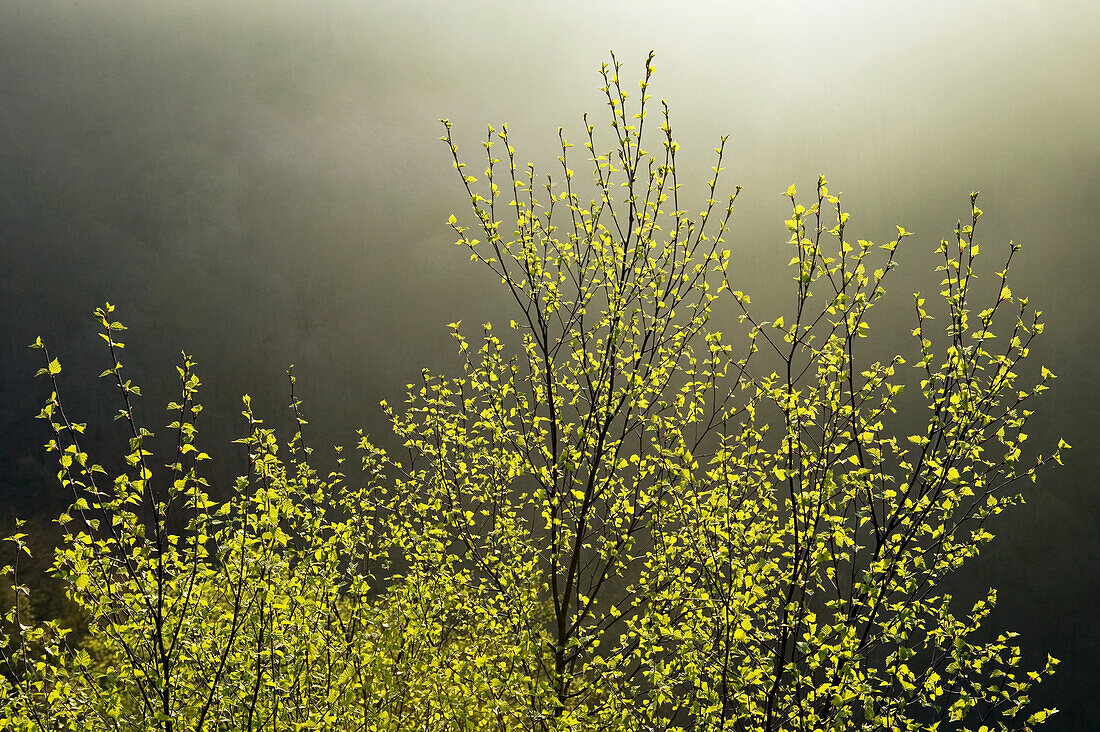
{"x": 263, "y": 184}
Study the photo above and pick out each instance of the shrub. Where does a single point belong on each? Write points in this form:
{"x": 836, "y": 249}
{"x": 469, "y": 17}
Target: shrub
{"x": 615, "y": 517}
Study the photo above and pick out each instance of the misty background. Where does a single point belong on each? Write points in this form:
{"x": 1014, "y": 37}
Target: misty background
{"x": 262, "y": 185}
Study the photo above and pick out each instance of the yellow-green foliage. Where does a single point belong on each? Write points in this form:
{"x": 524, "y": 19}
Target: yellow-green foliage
{"x": 615, "y": 517}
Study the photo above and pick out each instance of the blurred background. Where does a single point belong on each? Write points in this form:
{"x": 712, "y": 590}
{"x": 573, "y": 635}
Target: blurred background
{"x": 262, "y": 184}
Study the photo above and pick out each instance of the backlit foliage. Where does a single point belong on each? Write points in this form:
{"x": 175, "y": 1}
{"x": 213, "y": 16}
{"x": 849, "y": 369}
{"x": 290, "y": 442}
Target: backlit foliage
{"x": 616, "y": 517}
